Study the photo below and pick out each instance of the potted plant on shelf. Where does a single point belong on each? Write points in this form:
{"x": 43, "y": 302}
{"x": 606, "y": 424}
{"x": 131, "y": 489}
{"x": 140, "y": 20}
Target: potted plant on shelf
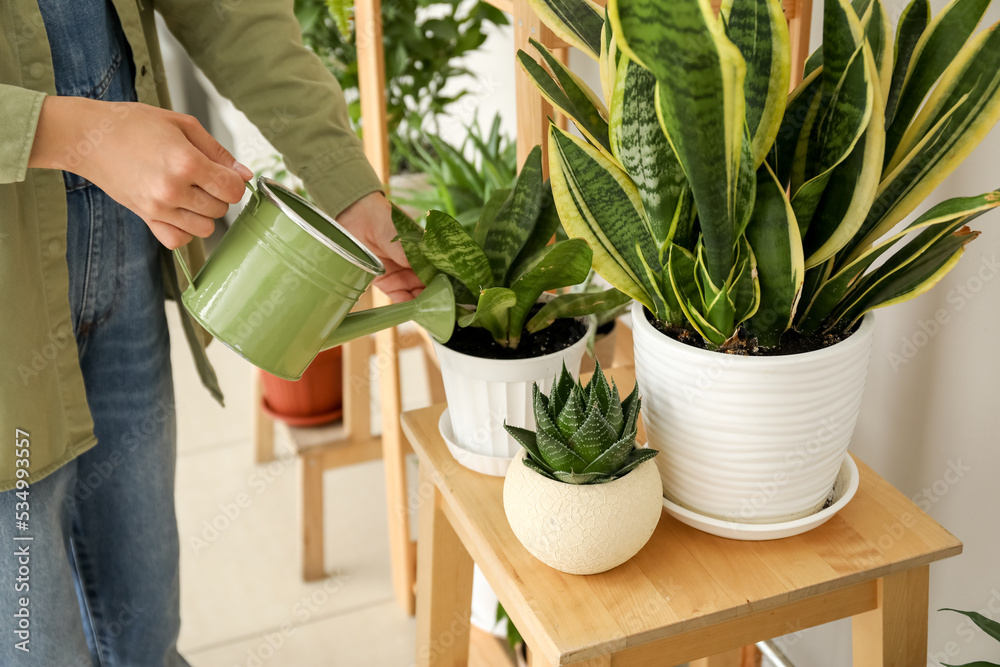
{"x": 578, "y": 496}
{"x": 756, "y": 229}
{"x": 458, "y": 180}
{"x": 500, "y": 273}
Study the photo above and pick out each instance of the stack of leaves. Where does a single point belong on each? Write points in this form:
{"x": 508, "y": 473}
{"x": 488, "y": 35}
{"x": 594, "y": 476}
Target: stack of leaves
{"x": 726, "y": 205}
{"x": 500, "y": 270}
{"x": 585, "y": 434}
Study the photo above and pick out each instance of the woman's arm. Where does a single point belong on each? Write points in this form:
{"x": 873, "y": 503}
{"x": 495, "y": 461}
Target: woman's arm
{"x": 161, "y": 165}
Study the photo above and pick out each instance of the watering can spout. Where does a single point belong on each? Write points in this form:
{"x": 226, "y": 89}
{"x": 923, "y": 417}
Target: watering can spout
{"x": 434, "y": 310}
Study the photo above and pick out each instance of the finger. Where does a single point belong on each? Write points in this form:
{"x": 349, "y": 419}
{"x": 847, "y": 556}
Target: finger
{"x": 202, "y": 203}
{"x": 401, "y": 285}
{"x": 189, "y": 222}
{"x": 220, "y": 175}
{"x": 167, "y": 234}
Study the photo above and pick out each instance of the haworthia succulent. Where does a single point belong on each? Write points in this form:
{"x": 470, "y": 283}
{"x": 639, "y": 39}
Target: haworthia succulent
{"x": 593, "y": 438}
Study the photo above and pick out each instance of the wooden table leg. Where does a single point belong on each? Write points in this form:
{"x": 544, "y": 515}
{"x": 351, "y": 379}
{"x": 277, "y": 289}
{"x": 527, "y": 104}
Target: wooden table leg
{"x": 895, "y": 633}
{"x": 598, "y": 661}
{"x": 263, "y": 432}
{"x": 748, "y": 656}
{"x": 311, "y": 513}
{"x": 444, "y": 583}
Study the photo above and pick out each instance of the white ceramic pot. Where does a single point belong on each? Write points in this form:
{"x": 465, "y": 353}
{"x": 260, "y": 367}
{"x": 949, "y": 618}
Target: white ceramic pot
{"x": 749, "y": 439}
{"x": 582, "y": 528}
{"x": 482, "y": 393}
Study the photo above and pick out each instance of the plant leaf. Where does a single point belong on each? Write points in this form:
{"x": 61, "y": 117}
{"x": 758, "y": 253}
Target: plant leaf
{"x": 851, "y": 187}
{"x": 578, "y": 478}
{"x": 933, "y": 54}
{"x": 516, "y": 219}
{"x": 641, "y": 147}
{"x": 760, "y": 31}
{"x": 492, "y": 313}
{"x": 590, "y": 440}
{"x": 561, "y": 264}
{"x": 598, "y": 203}
{"x": 987, "y": 625}
{"x": 910, "y": 28}
{"x": 528, "y": 440}
{"x": 539, "y": 466}
{"x": 636, "y": 458}
{"x": 451, "y": 250}
{"x": 410, "y": 235}
{"x": 558, "y": 456}
{"x": 488, "y": 214}
{"x": 614, "y": 457}
{"x": 959, "y": 113}
{"x": 774, "y": 235}
{"x": 576, "y": 22}
{"x": 700, "y": 103}
{"x": 576, "y": 304}
{"x": 800, "y": 114}
{"x": 571, "y": 417}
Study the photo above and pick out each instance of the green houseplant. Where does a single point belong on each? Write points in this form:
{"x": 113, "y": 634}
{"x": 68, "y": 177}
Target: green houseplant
{"x": 459, "y": 179}
{"x": 500, "y": 272}
{"x": 578, "y": 495}
{"x": 987, "y": 625}
{"x": 743, "y": 219}
{"x": 424, "y": 43}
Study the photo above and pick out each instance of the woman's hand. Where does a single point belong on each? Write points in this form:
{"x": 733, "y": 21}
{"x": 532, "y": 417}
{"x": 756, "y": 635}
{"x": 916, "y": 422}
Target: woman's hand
{"x": 161, "y": 165}
{"x": 369, "y": 220}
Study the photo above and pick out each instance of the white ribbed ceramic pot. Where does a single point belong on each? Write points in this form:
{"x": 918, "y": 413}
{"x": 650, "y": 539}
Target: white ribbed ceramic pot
{"x": 482, "y": 393}
{"x": 749, "y": 439}
{"x": 582, "y": 529}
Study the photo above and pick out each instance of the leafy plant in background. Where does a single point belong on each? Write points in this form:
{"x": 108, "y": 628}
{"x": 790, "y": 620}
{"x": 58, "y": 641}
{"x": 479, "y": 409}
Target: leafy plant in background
{"x": 463, "y": 178}
{"x": 585, "y": 434}
{"x": 990, "y": 627}
{"x": 501, "y": 269}
{"x": 424, "y": 42}
{"x": 726, "y": 205}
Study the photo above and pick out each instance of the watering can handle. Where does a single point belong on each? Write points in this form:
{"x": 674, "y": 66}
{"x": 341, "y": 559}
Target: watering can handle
{"x": 180, "y": 258}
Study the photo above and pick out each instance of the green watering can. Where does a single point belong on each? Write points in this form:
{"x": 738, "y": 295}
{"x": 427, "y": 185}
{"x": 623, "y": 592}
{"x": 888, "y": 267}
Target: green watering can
{"x": 279, "y": 288}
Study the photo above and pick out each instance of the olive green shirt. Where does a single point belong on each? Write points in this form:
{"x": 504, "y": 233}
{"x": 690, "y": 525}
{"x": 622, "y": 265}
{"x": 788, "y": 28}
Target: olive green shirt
{"x": 252, "y": 51}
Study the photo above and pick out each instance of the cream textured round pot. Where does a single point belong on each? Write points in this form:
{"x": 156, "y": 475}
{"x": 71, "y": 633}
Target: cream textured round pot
{"x": 749, "y": 439}
{"x": 482, "y": 393}
{"x": 582, "y": 529}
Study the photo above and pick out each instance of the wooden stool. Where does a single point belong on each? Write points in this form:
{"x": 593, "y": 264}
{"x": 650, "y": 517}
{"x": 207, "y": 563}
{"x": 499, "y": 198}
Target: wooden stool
{"x": 687, "y": 594}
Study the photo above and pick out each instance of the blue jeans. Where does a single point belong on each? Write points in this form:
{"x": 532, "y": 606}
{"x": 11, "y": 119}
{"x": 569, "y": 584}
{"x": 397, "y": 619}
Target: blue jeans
{"x": 97, "y": 584}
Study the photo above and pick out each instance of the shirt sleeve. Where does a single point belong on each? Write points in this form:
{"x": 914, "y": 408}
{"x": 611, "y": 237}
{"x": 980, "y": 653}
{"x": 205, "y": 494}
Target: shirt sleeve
{"x": 19, "y": 109}
{"x": 252, "y": 52}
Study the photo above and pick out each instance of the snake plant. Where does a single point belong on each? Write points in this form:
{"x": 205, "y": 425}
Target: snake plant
{"x": 987, "y": 625}
{"x": 501, "y": 269}
{"x": 728, "y": 206}
{"x": 585, "y": 434}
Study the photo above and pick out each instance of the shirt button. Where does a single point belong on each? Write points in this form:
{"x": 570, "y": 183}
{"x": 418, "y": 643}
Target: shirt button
{"x": 36, "y": 71}
{"x": 55, "y": 247}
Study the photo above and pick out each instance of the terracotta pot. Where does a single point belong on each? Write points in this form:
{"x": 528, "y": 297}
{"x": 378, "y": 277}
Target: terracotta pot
{"x": 316, "y": 398}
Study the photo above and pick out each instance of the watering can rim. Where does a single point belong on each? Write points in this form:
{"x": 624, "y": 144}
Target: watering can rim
{"x": 268, "y": 187}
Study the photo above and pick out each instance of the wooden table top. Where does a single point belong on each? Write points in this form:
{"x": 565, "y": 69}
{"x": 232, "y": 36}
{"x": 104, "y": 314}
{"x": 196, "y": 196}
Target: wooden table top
{"x": 683, "y": 579}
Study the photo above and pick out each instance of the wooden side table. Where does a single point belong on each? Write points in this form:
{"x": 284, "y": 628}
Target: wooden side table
{"x": 687, "y": 594}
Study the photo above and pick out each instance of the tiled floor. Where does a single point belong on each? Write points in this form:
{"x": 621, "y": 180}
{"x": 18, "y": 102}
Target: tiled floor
{"x": 243, "y": 602}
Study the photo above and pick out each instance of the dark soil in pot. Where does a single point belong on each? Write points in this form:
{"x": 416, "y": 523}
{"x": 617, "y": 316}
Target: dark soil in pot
{"x": 478, "y": 342}
{"x": 792, "y": 342}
